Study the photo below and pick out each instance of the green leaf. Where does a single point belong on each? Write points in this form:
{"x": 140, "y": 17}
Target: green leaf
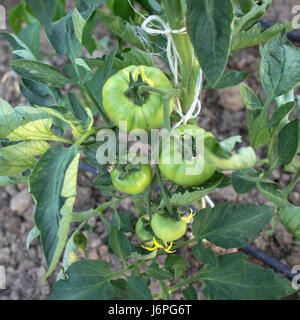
{"x": 244, "y": 180}
{"x": 79, "y": 24}
{"x": 31, "y": 37}
{"x": 136, "y": 57}
{"x": 129, "y": 33}
{"x": 54, "y": 192}
{"x": 259, "y": 136}
{"x": 87, "y": 280}
{"x": 152, "y": 6}
{"x": 246, "y": 19}
{"x": 38, "y": 71}
{"x": 60, "y": 9}
{"x": 120, "y": 290}
{"x": 245, "y": 158}
{"x": 67, "y": 116}
{"x": 177, "y": 265}
{"x": 21, "y": 50}
{"x": 285, "y": 98}
{"x": 158, "y": 273}
{"x": 95, "y": 85}
{"x": 87, "y": 36}
{"x": 7, "y": 180}
{"x": 126, "y": 220}
{"x": 37, "y": 93}
{"x": 255, "y": 36}
{"x": 229, "y": 78}
{"x": 209, "y": 26}
{"x": 146, "y": 256}
{"x": 272, "y": 193}
{"x": 33, "y": 234}
{"x": 63, "y": 38}
{"x": 68, "y": 195}
{"x": 122, "y": 9}
{"x": 77, "y": 108}
{"x": 24, "y": 123}
{"x": 188, "y": 197}
{"x": 190, "y": 293}
{"x": 80, "y": 62}
{"x": 44, "y": 10}
{"x": 138, "y": 289}
{"x": 119, "y": 243}
{"x": 204, "y": 255}
{"x": 284, "y": 148}
{"x": 77, "y": 242}
{"x": 228, "y": 144}
{"x": 234, "y": 278}
{"x": 19, "y": 157}
{"x": 103, "y": 179}
{"x": 280, "y": 115}
{"x": 229, "y": 226}
{"x": 82, "y": 216}
{"x": 298, "y": 116}
{"x": 87, "y": 7}
{"x": 250, "y": 100}
{"x": 289, "y": 216}
{"x": 15, "y": 17}
{"x": 279, "y": 66}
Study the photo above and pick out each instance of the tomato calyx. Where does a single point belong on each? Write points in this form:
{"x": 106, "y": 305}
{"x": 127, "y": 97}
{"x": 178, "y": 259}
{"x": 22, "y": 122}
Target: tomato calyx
{"x": 133, "y": 92}
{"x": 126, "y": 170}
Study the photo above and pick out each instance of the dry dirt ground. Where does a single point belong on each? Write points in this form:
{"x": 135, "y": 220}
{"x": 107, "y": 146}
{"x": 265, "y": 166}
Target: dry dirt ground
{"x": 222, "y": 113}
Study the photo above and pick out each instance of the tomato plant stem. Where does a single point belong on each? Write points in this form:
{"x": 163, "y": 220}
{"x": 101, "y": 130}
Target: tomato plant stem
{"x": 164, "y": 192}
{"x": 292, "y": 184}
{"x": 98, "y": 106}
{"x": 263, "y": 114}
{"x": 63, "y": 140}
{"x": 189, "y": 65}
{"x": 84, "y": 136}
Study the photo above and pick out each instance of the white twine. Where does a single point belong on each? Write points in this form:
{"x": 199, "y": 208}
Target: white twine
{"x": 210, "y": 202}
{"x": 163, "y": 28}
{"x": 195, "y": 107}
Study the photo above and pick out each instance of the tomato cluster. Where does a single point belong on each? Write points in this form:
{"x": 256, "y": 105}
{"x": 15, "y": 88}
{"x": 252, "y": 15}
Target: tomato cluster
{"x": 133, "y": 95}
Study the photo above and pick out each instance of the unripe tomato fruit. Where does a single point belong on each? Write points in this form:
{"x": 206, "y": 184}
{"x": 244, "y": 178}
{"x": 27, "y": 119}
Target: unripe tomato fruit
{"x": 167, "y": 229}
{"x": 181, "y": 173}
{"x": 135, "y": 182}
{"x": 146, "y": 111}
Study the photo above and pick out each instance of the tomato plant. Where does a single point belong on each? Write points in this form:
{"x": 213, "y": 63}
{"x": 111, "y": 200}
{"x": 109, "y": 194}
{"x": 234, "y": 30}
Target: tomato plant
{"x": 165, "y": 54}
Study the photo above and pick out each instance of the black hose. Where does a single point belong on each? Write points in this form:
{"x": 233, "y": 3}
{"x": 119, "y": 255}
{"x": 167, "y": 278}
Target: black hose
{"x": 86, "y": 167}
{"x": 270, "y": 261}
{"x": 293, "y": 35}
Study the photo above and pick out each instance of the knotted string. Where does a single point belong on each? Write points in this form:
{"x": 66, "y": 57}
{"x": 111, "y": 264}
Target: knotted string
{"x": 163, "y": 28}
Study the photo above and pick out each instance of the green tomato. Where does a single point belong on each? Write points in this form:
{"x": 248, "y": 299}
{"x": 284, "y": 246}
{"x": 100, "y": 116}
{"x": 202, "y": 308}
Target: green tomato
{"x": 122, "y": 102}
{"x": 141, "y": 228}
{"x": 187, "y": 172}
{"x": 134, "y": 182}
{"x": 167, "y": 229}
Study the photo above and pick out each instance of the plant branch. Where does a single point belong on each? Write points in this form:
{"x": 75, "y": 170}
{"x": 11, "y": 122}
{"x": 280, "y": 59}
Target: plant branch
{"x": 164, "y": 192}
{"x": 292, "y": 184}
{"x": 98, "y": 106}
